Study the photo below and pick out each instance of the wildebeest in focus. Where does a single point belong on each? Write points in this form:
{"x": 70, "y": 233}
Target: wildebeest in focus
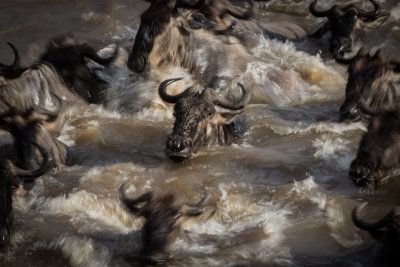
{"x": 379, "y": 149}
{"x": 197, "y": 123}
{"x": 346, "y": 25}
{"x": 10, "y": 176}
{"x": 374, "y": 81}
{"x": 386, "y": 231}
{"x": 164, "y": 218}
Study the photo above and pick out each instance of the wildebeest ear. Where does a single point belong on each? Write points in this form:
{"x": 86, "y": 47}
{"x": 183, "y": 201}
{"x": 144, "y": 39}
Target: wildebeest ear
{"x": 376, "y": 23}
{"x": 228, "y": 117}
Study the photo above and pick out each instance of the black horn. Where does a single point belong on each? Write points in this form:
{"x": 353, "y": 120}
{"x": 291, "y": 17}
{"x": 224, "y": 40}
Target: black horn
{"x": 318, "y": 13}
{"x": 370, "y": 14}
{"x": 223, "y": 102}
{"x": 17, "y": 59}
{"x": 372, "y": 226}
{"x": 162, "y": 91}
{"x": 30, "y": 175}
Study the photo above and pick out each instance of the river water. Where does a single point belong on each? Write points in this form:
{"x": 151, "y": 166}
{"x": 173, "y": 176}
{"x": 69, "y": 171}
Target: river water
{"x": 282, "y": 193}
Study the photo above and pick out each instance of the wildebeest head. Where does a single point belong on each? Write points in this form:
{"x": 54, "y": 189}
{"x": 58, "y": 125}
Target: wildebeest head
{"x": 27, "y": 130}
{"x": 344, "y": 24}
{"x": 9, "y": 179}
{"x": 13, "y": 70}
{"x": 152, "y": 24}
{"x": 379, "y": 149}
{"x": 69, "y": 59}
{"x": 164, "y": 217}
{"x": 373, "y": 81}
{"x": 197, "y": 123}
{"x": 385, "y": 231}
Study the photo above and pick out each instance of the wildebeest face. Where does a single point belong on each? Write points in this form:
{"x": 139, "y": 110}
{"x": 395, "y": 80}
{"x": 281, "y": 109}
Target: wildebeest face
{"x": 372, "y": 81}
{"x": 345, "y": 25}
{"x": 197, "y": 123}
{"x": 69, "y": 59}
{"x": 152, "y": 23}
{"x": 379, "y": 149}
{"x": 164, "y": 217}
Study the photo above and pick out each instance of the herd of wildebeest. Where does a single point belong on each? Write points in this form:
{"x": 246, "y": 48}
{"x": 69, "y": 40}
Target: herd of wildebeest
{"x": 170, "y": 33}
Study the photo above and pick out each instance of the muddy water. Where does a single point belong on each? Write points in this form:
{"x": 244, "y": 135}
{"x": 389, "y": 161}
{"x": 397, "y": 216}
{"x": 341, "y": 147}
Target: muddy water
{"x": 282, "y": 193}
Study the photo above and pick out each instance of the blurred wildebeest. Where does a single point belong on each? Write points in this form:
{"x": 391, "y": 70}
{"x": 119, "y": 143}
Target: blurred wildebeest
{"x": 386, "y": 231}
{"x": 197, "y": 123}
{"x": 347, "y": 25}
{"x": 14, "y": 70}
{"x": 379, "y": 149}
{"x": 10, "y": 176}
{"x": 27, "y": 129}
{"x": 374, "y": 81}
{"x": 165, "y": 216}
{"x": 61, "y": 77}
{"x": 165, "y": 39}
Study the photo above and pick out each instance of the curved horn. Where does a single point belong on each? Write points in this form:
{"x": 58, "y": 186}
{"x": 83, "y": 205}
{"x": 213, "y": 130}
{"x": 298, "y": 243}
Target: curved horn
{"x": 370, "y": 14}
{"x": 191, "y": 5}
{"x": 17, "y": 59}
{"x": 30, "y": 175}
{"x": 223, "y": 102}
{"x": 162, "y": 91}
{"x": 318, "y": 13}
{"x": 89, "y": 52}
{"x": 370, "y": 226}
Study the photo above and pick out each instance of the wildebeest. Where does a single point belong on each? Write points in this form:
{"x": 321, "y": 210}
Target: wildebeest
{"x": 9, "y": 180}
{"x": 386, "y": 231}
{"x": 164, "y": 218}
{"x": 197, "y": 123}
{"x": 374, "y": 81}
{"x": 61, "y": 77}
{"x": 166, "y": 39}
{"x": 379, "y": 149}
{"x": 27, "y": 129}
{"x": 346, "y": 25}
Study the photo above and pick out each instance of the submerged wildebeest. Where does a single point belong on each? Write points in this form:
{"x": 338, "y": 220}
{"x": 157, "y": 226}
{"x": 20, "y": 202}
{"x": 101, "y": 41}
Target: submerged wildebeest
{"x": 197, "y": 123}
{"x": 165, "y": 39}
{"x": 346, "y": 25}
{"x": 386, "y": 231}
{"x": 28, "y": 128}
{"x": 10, "y": 176}
{"x": 165, "y": 217}
{"x": 374, "y": 81}
{"x": 379, "y": 149}
{"x": 60, "y": 78}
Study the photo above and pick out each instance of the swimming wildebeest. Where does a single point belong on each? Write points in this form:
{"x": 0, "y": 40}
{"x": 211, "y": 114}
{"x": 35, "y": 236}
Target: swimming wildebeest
{"x": 379, "y": 149}
{"x": 164, "y": 218}
{"x": 386, "y": 231}
{"x": 10, "y": 176}
{"x": 374, "y": 81}
{"x": 165, "y": 39}
{"x": 28, "y": 128}
{"x": 346, "y": 25}
{"x": 61, "y": 77}
{"x": 197, "y": 123}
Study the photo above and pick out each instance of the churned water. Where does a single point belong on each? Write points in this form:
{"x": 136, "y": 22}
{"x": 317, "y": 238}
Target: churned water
{"x": 282, "y": 193}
